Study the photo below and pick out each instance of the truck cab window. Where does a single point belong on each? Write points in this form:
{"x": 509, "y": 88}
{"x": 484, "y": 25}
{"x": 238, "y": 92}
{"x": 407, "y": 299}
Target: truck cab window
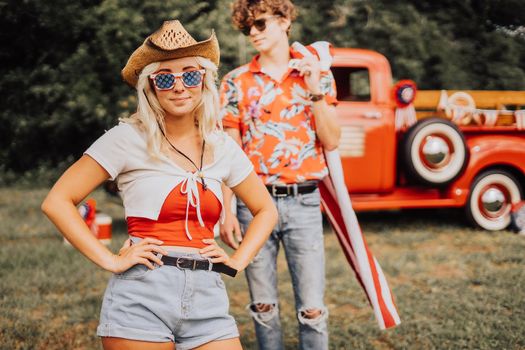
{"x": 353, "y": 83}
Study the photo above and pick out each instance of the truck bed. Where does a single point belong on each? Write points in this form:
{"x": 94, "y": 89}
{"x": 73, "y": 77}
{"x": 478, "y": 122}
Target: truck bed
{"x": 429, "y": 99}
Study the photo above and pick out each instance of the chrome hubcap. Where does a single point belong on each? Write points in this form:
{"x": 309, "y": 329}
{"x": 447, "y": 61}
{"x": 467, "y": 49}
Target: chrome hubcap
{"x": 436, "y": 152}
{"x": 493, "y": 200}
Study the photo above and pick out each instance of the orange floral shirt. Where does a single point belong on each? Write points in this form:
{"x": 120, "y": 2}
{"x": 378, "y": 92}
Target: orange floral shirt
{"x": 276, "y": 121}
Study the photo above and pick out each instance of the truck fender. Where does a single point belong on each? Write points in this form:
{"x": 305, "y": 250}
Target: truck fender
{"x": 491, "y": 151}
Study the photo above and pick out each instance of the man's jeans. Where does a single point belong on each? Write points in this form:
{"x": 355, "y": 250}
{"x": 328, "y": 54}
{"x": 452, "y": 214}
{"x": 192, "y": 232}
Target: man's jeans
{"x": 300, "y": 229}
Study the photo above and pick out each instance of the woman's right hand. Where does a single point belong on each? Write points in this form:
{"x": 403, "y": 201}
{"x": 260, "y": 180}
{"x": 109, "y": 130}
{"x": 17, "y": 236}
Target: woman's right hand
{"x": 143, "y": 252}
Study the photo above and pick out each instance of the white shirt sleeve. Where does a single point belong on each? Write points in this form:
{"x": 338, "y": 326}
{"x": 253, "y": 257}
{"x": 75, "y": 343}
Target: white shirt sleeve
{"x": 111, "y": 150}
{"x": 240, "y": 164}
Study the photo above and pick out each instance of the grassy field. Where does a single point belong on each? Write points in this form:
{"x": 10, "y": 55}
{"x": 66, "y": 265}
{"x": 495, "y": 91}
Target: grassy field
{"x": 455, "y": 287}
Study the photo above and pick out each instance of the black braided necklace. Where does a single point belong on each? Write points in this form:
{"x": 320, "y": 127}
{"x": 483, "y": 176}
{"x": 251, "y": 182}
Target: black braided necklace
{"x": 199, "y": 168}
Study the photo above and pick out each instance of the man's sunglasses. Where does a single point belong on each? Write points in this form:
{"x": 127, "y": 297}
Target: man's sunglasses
{"x": 166, "y": 81}
{"x": 259, "y": 24}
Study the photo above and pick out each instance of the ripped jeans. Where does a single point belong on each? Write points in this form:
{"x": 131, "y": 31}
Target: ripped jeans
{"x": 300, "y": 229}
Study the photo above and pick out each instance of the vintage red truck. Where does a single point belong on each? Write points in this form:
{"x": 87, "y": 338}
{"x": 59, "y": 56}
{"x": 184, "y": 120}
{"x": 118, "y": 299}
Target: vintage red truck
{"x": 459, "y": 149}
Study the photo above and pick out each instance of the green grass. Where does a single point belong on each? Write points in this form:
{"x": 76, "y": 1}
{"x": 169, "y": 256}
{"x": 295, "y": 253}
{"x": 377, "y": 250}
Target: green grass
{"x": 455, "y": 287}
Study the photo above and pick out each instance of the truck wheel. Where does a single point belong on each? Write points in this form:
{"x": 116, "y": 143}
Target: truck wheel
{"x": 434, "y": 152}
{"x": 490, "y": 200}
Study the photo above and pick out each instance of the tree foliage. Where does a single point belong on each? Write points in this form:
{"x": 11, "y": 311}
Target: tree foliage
{"x": 61, "y": 60}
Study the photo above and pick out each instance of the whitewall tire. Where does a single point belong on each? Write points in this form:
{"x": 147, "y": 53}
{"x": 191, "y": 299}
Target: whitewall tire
{"x": 434, "y": 152}
{"x": 490, "y": 199}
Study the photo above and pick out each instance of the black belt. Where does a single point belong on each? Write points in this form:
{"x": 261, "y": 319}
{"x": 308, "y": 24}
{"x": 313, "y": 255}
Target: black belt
{"x": 292, "y": 189}
{"x": 194, "y": 264}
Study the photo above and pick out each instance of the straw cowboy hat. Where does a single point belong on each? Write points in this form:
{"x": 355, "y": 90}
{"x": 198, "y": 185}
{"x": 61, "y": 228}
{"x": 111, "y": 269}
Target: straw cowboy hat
{"x": 168, "y": 42}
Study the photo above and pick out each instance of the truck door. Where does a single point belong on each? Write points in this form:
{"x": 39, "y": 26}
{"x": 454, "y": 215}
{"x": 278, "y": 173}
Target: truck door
{"x": 367, "y": 145}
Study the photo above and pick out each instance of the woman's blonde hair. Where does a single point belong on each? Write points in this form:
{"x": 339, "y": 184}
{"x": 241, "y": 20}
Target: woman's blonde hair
{"x": 150, "y": 114}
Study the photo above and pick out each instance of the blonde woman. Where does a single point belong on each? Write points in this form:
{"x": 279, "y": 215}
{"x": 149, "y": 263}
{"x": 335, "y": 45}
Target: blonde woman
{"x": 169, "y": 160}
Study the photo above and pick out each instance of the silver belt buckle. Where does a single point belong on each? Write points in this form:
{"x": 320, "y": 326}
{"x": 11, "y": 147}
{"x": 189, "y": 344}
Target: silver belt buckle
{"x": 179, "y": 260}
{"x": 275, "y": 194}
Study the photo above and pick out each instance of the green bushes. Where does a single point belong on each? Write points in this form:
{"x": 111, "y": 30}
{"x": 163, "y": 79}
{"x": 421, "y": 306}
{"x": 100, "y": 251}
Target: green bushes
{"x": 60, "y": 61}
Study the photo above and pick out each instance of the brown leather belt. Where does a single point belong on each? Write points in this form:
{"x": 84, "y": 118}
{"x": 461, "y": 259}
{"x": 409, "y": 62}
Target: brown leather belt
{"x": 292, "y": 189}
{"x": 194, "y": 264}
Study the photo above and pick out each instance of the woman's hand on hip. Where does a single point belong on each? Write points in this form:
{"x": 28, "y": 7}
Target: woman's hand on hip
{"x": 217, "y": 255}
{"x": 144, "y": 252}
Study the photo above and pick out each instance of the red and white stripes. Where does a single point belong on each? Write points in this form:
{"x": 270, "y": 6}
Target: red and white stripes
{"x": 338, "y": 207}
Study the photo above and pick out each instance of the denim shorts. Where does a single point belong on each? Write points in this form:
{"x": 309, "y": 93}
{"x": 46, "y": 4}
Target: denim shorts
{"x": 187, "y": 307}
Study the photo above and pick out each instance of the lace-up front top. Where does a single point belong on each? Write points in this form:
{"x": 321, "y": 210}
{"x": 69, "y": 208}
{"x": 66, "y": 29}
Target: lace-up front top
{"x": 193, "y": 213}
{"x": 162, "y": 200}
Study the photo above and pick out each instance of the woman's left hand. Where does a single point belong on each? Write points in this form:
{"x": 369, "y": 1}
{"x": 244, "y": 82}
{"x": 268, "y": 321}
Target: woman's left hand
{"x": 217, "y": 255}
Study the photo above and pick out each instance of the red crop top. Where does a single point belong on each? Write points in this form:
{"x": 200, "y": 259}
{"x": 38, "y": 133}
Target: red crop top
{"x": 171, "y": 224}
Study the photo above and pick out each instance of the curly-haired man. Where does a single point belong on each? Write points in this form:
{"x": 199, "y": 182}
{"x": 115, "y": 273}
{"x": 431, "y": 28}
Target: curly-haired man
{"x": 283, "y": 115}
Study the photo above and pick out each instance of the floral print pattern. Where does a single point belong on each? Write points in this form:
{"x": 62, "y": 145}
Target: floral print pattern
{"x": 276, "y": 121}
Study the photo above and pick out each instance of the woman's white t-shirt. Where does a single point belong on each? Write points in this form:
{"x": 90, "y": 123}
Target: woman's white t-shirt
{"x": 145, "y": 182}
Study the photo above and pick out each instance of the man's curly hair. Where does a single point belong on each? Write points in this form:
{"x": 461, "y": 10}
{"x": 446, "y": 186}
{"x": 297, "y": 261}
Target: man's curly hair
{"x": 245, "y": 11}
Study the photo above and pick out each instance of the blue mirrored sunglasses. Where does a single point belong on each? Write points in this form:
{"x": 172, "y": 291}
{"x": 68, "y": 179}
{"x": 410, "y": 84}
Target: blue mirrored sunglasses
{"x": 166, "y": 81}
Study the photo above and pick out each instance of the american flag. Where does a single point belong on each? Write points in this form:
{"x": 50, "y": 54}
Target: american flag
{"x": 338, "y": 207}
